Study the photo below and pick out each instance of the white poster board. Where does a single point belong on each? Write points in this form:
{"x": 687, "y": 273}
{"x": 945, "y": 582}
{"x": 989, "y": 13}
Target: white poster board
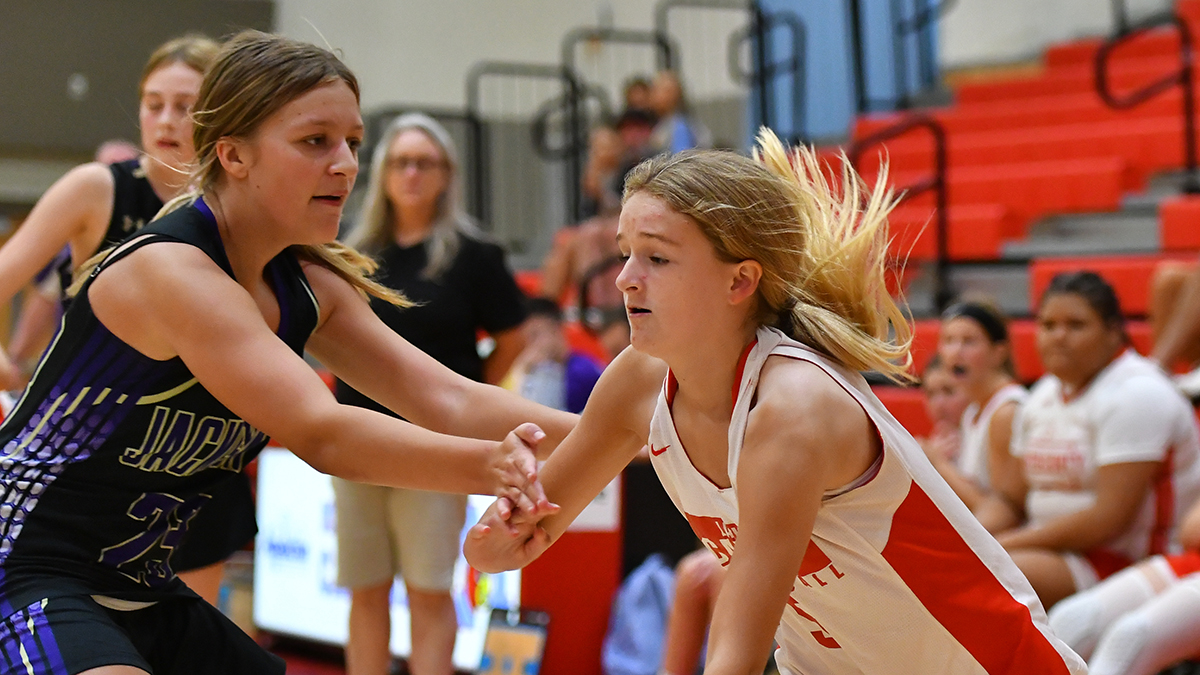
{"x": 295, "y": 566}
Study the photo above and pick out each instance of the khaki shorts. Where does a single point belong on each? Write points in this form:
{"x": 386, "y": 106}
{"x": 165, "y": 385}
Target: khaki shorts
{"x": 385, "y": 532}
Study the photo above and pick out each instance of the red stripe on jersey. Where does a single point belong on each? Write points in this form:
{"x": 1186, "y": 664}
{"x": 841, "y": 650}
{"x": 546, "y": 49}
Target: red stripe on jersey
{"x": 1164, "y": 505}
{"x": 741, "y": 369}
{"x": 962, "y": 594}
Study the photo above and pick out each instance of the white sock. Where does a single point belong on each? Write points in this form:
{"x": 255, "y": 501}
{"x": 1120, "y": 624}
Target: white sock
{"x": 1081, "y": 619}
{"x": 1163, "y": 632}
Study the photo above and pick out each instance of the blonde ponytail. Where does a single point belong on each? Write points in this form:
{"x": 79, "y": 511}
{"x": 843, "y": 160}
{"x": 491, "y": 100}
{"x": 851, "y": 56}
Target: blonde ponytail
{"x": 823, "y": 249}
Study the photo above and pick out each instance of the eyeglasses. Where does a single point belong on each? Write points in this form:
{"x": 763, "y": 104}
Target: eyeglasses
{"x": 421, "y": 164}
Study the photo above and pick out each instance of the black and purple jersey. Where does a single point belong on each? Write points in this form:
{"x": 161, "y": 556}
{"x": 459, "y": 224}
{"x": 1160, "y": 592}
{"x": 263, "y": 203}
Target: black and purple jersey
{"x": 135, "y": 203}
{"x": 109, "y": 454}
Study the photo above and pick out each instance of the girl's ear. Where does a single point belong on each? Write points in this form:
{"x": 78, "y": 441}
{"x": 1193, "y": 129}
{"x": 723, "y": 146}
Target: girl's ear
{"x": 746, "y": 276}
{"x": 233, "y": 155}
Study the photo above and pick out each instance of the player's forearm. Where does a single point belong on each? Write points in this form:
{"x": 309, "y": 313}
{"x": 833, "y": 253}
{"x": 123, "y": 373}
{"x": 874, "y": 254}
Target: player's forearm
{"x": 368, "y": 447}
{"x": 1078, "y": 531}
{"x": 486, "y": 411}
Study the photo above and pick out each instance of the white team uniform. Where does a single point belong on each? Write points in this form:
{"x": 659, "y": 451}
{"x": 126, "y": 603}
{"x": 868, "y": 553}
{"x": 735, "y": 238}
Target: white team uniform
{"x": 899, "y": 578}
{"x": 972, "y": 455}
{"x": 1129, "y": 413}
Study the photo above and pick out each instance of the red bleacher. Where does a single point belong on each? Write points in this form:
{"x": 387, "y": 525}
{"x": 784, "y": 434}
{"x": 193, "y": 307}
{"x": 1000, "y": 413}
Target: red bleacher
{"x": 1025, "y": 147}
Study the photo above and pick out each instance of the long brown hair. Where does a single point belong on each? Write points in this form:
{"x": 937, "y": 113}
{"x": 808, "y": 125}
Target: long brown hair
{"x": 823, "y": 250}
{"x": 254, "y": 75}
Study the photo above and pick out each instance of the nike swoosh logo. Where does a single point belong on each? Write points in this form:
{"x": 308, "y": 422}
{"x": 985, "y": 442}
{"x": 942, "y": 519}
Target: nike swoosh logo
{"x": 659, "y": 451}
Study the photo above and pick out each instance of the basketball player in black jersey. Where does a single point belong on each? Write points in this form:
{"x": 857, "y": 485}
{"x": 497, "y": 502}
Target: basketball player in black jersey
{"x": 97, "y": 205}
{"x": 180, "y": 354}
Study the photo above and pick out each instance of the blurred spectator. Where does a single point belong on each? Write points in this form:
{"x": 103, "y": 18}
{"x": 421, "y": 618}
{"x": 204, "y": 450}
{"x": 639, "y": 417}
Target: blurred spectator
{"x": 973, "y": 344}
{"x": 677, "y": 130}
{"x": 637, "y": 94}
{"x": 1105, "y": 452}
{"x": 611, "y": 325}
{"x": 586, "y": 256}
{"x": 635, "y": 128}
{"x": 1141, "y": 620}
{"x": 945, "y": 402}
{"x": 602, "y": 177}
{"x": 548, "y": 370}
{"x": 1175, "y": 321}
{"x": 414, "y": 223}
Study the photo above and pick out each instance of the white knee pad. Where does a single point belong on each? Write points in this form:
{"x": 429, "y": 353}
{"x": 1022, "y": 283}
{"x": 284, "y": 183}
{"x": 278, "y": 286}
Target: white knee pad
{"x": 1081, "y": 619}
{"x": 1123, "y": 644}
{"x": 1076, "y": 621}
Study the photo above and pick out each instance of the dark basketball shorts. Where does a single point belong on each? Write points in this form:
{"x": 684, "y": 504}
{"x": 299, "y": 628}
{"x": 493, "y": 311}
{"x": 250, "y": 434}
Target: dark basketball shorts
{"x": 69, "y": 634}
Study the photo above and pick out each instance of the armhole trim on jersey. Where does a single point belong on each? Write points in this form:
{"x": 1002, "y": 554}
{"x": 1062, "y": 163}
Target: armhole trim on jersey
{"x": 872, "y": 471}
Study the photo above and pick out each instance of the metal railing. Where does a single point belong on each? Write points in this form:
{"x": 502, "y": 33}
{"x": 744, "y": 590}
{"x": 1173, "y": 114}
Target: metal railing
{"x": 1182, "y": 78}
{"x": 943, "y": 291}
{"x": 766, "y": 70}
{"x": 902, "y": 27}
{"x": 533, "y": 112}
{"x": 662, "y": 12}
{"x": 664, "y": 51}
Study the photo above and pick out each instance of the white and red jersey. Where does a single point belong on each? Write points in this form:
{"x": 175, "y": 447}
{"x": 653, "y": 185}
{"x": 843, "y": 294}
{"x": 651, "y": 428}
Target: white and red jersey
{"x": 972, "y": 460}
{"x": 899, "y": 578}
{"x": 1130, "y": 412}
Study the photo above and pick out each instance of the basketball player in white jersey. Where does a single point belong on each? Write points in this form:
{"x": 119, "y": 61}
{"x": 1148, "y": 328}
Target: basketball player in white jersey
{"x": 1105, "y": 454}
{"x": 762, "y": 292}
{"x": 973, "y": 343}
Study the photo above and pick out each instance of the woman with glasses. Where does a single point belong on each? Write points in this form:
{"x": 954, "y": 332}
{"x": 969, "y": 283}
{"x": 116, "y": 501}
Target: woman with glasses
{"x": 414, "y": 224}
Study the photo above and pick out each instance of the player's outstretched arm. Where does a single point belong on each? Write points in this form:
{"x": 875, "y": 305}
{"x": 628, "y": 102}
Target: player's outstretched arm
{"x": 613, "y": 428}
{"x": 73, "y": 211}
{"x": 805, "y": 435}
{"x": 168, "y": 300}
{"x": 359, "y": 348}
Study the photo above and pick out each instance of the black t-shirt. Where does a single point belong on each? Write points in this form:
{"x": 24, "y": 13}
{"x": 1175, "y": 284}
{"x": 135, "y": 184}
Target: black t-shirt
{"x": 476, "y": 291}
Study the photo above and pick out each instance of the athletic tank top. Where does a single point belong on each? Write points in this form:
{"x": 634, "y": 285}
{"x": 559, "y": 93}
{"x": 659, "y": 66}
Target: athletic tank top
{"x": 972, "y": 460}
{"x": 134, "y": 204}
{"x": 109, "y": 453}
{"x": 898, "y": 576}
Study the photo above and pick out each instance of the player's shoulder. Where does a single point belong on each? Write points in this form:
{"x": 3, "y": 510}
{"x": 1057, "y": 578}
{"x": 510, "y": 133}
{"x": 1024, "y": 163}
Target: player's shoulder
{"x": 792, "y": 386}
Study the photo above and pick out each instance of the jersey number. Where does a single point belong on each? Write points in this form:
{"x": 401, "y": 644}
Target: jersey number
{"x": 145, "y": 557}
{"x": 824, "y": 639}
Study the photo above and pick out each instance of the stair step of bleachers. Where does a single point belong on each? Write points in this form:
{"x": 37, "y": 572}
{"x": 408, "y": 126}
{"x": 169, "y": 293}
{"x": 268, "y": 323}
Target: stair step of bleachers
{"x": 1180, "y": 223}
{"x": 1122, "y": 77}
{"x": 1051, "y": 110}
{"x": 1129, "y": 276}
{"x": 1088, "y": 234}
{"x": 976, "y": 231}
{"x": 1149, "y": 145}
{"x": 1031, "y": 190}
{"x": 1158, "y": 43}
{"x": 1007, "y": 285}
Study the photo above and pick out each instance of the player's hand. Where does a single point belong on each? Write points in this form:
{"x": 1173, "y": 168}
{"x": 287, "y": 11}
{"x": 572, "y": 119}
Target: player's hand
{"x": 514, "y": 467}
{"x": 495, "y": 544}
